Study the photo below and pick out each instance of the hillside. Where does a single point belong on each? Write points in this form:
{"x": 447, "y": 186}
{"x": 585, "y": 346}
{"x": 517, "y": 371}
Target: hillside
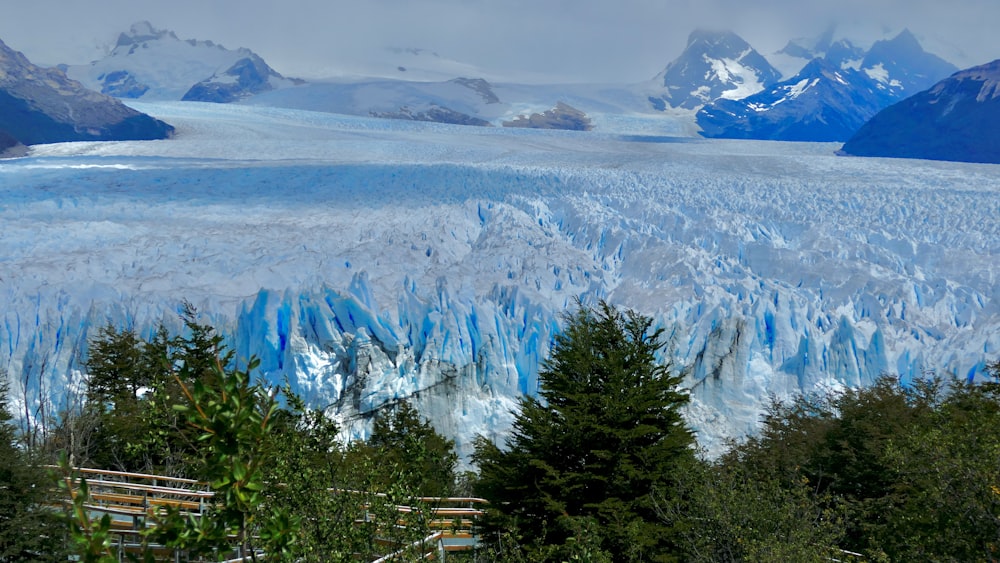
{"x": 957, "y": 119}
{"x": 39, "y": 105}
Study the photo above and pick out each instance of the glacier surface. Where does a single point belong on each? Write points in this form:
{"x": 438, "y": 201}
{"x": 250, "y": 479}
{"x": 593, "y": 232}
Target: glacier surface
{"x": 371, "y": 260}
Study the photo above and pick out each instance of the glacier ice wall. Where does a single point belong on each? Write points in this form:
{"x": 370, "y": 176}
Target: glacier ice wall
{"x": 774, "y": 268}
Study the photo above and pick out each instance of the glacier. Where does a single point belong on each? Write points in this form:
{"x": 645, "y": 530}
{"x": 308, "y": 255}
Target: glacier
{"x": 370, "y": 261}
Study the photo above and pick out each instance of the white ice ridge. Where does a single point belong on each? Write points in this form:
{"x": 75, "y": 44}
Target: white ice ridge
{"x": 370, "y": 261}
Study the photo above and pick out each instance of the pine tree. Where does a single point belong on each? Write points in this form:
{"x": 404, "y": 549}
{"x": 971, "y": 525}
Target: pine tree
{"x": 29, "y": 531}
{"x": 591, "y": 456}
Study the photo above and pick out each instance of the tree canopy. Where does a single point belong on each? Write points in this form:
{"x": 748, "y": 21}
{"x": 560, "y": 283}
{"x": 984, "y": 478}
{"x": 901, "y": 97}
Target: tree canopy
{"x": 589, "y": 457}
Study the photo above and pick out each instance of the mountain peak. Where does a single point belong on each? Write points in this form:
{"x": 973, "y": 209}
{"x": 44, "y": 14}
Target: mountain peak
{"x": 246, "y": 77}
{"x": 902, "y": 65}
{"x": 717, "y": 42}
{"x": 142, "y": 31}
{"x": 712, "y": 36}
{"x": 715, "y": 64}
{"x": 904, "y": 43}
{"x": 823, "y": 102}
{"x": 907, "y": 39}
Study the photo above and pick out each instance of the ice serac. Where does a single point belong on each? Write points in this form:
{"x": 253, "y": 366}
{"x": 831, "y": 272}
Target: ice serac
{"x": 958, "y": 119}
{"x": 41, "y": 105}
{"x": 715, "y": 64}
{"x": 461, "y": 367}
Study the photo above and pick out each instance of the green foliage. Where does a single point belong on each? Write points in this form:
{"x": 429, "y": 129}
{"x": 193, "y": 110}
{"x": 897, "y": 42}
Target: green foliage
{"x": 200, "y": 351}
{"x": 282, "y": 481}
{"x": 899, "y": 466}
{"x": 599, "y": 467}
{"x": 211, "y": 413}
{"x": 407, "y": 445}
{"x": 731, "y": 512}
{"x": 948, "y": 478}
{"x": 306, "y": 465}
{"x": 348, "y": 497}
{"x": 28, "y": 531}
{"x": 603, "y": 441}
{"x": 233, "y": 420}
{"x": 128, "y": 418}
{"x": 129, "y": 422}
{"x": 90, "y": 539}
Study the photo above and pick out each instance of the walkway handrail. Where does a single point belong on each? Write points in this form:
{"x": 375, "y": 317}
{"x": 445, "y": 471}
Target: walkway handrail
{"x": 130, "y": 475}
{"x": 436, "y": 537}
{"x": 146, "y": 488}
{"x": 116, "y": 493}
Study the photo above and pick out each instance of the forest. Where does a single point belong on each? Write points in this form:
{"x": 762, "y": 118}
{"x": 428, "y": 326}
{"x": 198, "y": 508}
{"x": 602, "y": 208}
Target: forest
{"x": 599, "y": 466}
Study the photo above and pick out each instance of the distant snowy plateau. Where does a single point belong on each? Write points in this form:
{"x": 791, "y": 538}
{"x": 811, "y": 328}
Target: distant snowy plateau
{"x": 373, "y": 260}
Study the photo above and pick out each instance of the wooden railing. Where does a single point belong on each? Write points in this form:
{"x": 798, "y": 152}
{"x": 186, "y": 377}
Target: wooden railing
{"x": 133, "y": 500}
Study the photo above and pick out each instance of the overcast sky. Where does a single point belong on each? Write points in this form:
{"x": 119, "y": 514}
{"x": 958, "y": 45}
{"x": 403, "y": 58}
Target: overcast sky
{"x": 553, "y": 40}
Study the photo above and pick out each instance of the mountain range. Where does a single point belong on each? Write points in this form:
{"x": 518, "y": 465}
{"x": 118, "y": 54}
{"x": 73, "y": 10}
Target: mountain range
{"x": 720, "y": 84}
{"x": 821, "y": 103}
{"x": 832, "y": 96}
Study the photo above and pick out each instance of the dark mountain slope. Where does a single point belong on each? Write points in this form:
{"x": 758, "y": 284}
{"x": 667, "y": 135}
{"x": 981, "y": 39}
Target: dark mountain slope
{"x": 957, "y": 119}
{"x": 39, "y": 105}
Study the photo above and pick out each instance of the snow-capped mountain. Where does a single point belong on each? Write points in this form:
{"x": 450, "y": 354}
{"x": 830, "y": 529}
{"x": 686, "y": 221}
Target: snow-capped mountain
{"x": 957, "y": 119}
{"x": 370, "y": 260}
{"x": 902, "y": 67}
{"x": 823, "y": 102}
{"x": 248, "y": 76}
{"x": 154, "y": 64}
{"x": 715, "y": 64}
{"x": 840, "y": 51}
{"x": 39, "y": 105}
{"x": 898, "y": 62}
{"x": 832, "y": 96}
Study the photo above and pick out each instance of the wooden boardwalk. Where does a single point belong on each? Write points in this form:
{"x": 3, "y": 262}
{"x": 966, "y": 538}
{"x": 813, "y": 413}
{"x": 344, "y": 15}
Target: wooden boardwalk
{"x": 132, "y": 500}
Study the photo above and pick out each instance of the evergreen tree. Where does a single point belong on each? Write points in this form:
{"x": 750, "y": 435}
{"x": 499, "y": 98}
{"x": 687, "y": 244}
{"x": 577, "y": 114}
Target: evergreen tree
{"x": 28, "y": 530}
{"x": 597, "y": 450}
{"x": 124, "y": 374}
{"x": 128, "y": 422}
